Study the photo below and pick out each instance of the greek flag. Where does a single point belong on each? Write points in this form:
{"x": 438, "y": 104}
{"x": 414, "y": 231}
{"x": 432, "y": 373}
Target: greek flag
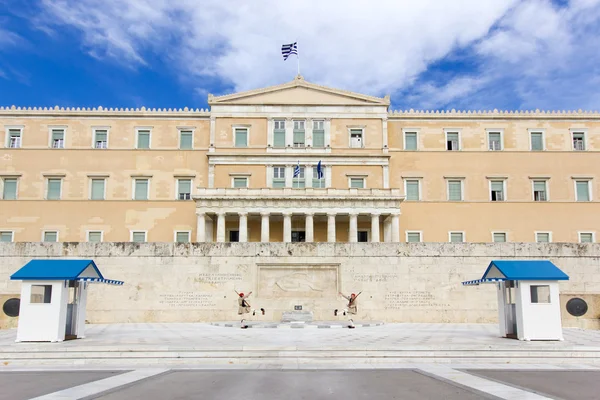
{"x": 319, "y": 170}
{"x": 288, "y": 49}
{"x": 297, "y": 170}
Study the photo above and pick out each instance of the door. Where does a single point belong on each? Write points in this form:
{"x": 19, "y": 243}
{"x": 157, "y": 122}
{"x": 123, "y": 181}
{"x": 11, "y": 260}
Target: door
{"x": 510, "y": 312}
{"x": 72, "y": 310}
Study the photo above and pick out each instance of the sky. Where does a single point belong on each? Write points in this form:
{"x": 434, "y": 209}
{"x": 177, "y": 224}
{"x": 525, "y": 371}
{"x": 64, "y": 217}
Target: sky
{"x": 426, "y": 54}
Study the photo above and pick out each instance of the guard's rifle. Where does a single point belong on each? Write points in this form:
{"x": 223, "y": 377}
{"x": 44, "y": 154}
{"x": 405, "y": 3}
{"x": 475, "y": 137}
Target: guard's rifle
{"x": 243, "y": 300}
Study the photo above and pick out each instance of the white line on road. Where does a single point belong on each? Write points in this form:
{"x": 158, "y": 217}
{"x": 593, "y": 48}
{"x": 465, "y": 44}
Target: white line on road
{"x": 89, "y": 389}
{"x": 481, "y": 384}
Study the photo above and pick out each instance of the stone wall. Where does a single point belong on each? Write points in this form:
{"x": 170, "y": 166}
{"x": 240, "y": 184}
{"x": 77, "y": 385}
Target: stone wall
{"x": 401, "y": 282}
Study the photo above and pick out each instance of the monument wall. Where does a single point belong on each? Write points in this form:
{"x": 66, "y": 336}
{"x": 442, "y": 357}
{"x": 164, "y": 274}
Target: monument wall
{"x": 400, "y": 282}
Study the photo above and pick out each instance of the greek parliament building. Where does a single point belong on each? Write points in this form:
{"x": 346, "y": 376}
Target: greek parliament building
{"x": 247, "y": 170}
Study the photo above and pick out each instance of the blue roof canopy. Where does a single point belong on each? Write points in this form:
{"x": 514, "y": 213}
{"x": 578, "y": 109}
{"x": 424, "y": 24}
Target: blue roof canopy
{"x": 520, "y": 270}
{"x": 59, "y": 270}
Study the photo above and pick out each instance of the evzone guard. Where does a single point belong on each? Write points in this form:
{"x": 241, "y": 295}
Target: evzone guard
{"x": 244, "y": 307}
{"x": 351, "y": 308}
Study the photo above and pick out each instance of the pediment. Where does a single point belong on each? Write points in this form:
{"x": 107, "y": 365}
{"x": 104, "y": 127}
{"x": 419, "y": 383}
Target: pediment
{"x": 298, "y": 92}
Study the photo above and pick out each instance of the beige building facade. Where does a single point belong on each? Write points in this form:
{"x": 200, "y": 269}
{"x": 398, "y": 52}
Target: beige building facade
{"x": 298, "y": 162}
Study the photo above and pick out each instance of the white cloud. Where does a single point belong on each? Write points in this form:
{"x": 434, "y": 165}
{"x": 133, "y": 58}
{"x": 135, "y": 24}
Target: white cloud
{"x": 9, "y": 39}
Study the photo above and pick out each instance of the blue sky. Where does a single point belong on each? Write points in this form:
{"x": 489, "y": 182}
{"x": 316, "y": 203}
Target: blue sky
{"x": 467, "y": 54}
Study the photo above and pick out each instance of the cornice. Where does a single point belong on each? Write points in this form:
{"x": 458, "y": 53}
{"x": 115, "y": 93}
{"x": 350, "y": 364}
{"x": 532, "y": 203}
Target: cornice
{"x": 490, "y": 114}
{"x": 103, "y": 112}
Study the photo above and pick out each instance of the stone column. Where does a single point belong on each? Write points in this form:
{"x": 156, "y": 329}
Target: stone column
{"x": 331, "y": 227}
{"x": 287, "y": 227}
{"x": 395, "y": 228}
{"x": 374, "y": 228}
{"x": 310, "y": 236}
{"x": 353, "y": 232}
{"x": 200, "y": 227}
{"x": 220, "y": 227}
{"x": 264, "y": 227}
{"x": 243, "y": 226}
{"x": 387, "y": 229}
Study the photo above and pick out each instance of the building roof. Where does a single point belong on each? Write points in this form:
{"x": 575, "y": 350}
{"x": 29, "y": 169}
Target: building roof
{"x": 61, "y": 269}
{"x": 520, "y": 270}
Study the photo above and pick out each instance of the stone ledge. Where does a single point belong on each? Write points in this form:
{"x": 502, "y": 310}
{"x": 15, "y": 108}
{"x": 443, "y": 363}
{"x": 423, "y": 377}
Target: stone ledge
{"x": 296, "y": 325}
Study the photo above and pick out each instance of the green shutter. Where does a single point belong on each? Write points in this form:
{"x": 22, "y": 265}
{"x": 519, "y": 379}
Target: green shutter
{"x": 454, "y": 191}
{"x": 452, "y": 137}
{"x": 456, "y": 237}
{"x": 240, "y": 182}
{"x": 101, "y": 136}
{"x": 141, "y": 189}
{"x": 6, "y": 236}
{"x": 412, "y": 190}
{"x": 58, "y": 134}
{"x": 537, "y": 143}
{"x": 411, "y": 141}
{"x": 50, "y": 236}
{"x": 185, "y": 186}
{"x": 143, "y": 140}
{"x": 543, "y": 237}
{"x": 241, "y": 138}
{"x": 54, "y": 189}
{"x": 413, "y": 237}
{"x": 499, "y": 237}
{"x": 139, "y": 237}
{"x": 318, "y": 139}
{"x": 497, "y": 186}
{"x": 299, "y": 138}
{"x": 279, "y": 139}
{"x": 586, "y": 238}
{"x": 95, "y": 237}
{"x": 582, "y": 191}
{"x": 186, "y": 140}
{"x": 539, "y": 186}
{"x": 97, "y": 189}
{"x": 9, "y": 191}
{"x": 357, "y": 183}
{"x": 183, "y": 237}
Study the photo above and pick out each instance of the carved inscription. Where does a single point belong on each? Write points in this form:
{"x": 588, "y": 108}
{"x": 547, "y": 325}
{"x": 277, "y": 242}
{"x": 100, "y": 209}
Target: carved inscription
{"x": 188, "y": 299}
{"x": 219, "y": 278}
{"x": 375, "y": 277}
{"x": 412, "y": 299}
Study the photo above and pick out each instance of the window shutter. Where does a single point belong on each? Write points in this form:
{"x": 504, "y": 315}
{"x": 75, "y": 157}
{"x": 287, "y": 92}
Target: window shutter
{"x": 539, "y": 186}
{"x": 456, "y": 237}
{"x": 497, "y": 186}
{"x": 454, "y": 190}
{"x": 537, "y": 142}
{"x": 141, "y": 189}
{"x": 299, "y": 137}
{"x": 186, "y": 140}
{"x": 183, "y": 237}
{"x": 143, "y": 139}
{"x": 58, "y": 134}
{"x": 54, "y": 189}
{"x": 318, "y": 139}
{"x": 582, "y": 191}
{"x": 5, "y": 236}
{"x": 97, "y": 189}
{"x": 411, "y": 141}
{"x": 139, "y": 237}
{"x": 241, "y": 138}
{"x": 185, "y": 186}
{"x": 279, "y": 139}
{"x": 499, "y": 237}
{"x": 543, "y": 238}
{"x": 414, "y": 237}
{"x": 357, "y": 183}
{"x": 412, "y": 190}
{"x": 50, "y": 236}
{"x": 101, "y": 136}
{"x": 586, "y": 238}
{"x": 10, "y": 189}
{"x": 95, "y": 237}
{"x": 240, "y": 182}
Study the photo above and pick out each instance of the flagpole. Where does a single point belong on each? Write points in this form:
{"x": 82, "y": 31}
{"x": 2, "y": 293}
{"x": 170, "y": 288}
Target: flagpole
{"x": 298, "y": 59}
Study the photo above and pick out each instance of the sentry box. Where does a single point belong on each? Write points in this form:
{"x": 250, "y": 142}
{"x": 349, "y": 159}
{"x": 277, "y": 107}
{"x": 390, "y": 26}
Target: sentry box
{"x": 528, "y": 298}
{"x": 53, "y": 298}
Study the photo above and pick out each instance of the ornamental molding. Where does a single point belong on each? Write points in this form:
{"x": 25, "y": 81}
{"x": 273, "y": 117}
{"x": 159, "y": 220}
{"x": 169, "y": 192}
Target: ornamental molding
{"x": 499, "y": 114}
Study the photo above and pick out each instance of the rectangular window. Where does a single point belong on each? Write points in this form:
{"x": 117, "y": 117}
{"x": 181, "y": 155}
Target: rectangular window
{"x": 101, "y": 139}
{"x": 143, "y": 139}
{"x": 279, "y": 134}
{"x": 456, "y": 237}
{"x": 298, "y": 236}
{"x": 50, "y": 236}
{"x": 97, "y": 192}
{"x": 240, "y": 182}
{"x": 356, "y": 138}
{"x": 410, "y": 141}
{"x": 537, "y": 141}
{"x": 234, "y": 236}
{"x": 58, "y": 138}
{"x": 586, "y": 237}
{"x": 499, "y": 237}
{"x": 14, "y": 138}
{"x": 9, "y": 189}
{"x": 141, "y": 189}
{"x": 54, "y": 189}
{"x": 299, "y": 134}
{"x": 241, "y": 137}
{"x": 94, "y": 236}
{"x": 412, "y": 190}
{"x": 357, "y": 183}
{"x": 186, "y": 140}
{"x": 6, "y": 237}
{"x": 278, "y": 177}
{"x": 455, "y": 190}
{"x": 578, "y": 141}
{"x": 319, "y": 134}
{"x": 41, "y": 294}
{"x": 542, "y": 237}
{"x": 138, "y": 237}
{"x": 184, "y": 189}
{"x": 540, "y": 293}
{"x": 497, "y": 190}
{"x": 413, "y": 237}
{"x": 539, "y": 191}
{"x": 583, "y": 190}
{"x": 182, "y": 237}
{"x": 298, "y": 180}
{"x": 495, "y": 141}
{"x": 318, "y": 183}
{"x": 452, "y": 141}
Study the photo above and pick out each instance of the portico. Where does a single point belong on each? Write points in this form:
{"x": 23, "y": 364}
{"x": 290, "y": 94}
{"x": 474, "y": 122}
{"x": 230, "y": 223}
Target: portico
{"x": 298, "y": 215}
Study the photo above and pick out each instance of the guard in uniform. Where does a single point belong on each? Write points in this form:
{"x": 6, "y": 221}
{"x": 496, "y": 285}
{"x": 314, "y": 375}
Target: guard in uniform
{"x": 351, "y": 308}
{"x": 245, "y": 308}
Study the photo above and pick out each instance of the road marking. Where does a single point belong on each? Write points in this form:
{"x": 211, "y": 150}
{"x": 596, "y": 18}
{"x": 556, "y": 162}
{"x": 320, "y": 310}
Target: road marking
{"x": 102, "y": 385}
{"x": 483, "y": 385}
